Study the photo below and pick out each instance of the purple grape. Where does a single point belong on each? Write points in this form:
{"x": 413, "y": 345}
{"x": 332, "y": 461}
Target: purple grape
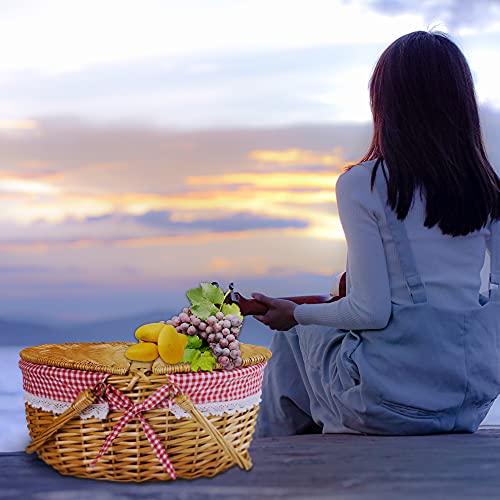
{"x": 209, "y": 330}
{"x": 217, "y": 327}
{"x": 234, "y": 345}
{"x": 230, "y": 365}
{"x": 211, "y": 320}
{"x": 231, "y": 338}
{"x": 226, "y": 323}
{"x": 235, "y": 353}
{"x": 202, "y": 326}
{"x": 223, "y": 360}
{"x": 203, "y": 335}
{"x": 223, "y": 343}
{"x": 226, "y": 331}
{"x": 219, "y": 314}
{"x": 217, "y": 351}
{"x": 235, "y": 321}
{"x": 235, "y": 330}
{"x": 238, "y": 362}
{"x": 211, "y": 338}
{"x": 192, "y": 330}
{"x": 218, "y": 337}
{"x": 226, "y": 351}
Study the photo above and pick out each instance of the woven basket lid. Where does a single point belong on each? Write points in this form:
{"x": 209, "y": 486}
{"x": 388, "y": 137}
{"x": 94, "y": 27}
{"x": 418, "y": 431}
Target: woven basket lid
{"x": 109, "y": 357}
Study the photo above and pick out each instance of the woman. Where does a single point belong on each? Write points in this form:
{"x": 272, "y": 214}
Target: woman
{"x": 413, "y": 347}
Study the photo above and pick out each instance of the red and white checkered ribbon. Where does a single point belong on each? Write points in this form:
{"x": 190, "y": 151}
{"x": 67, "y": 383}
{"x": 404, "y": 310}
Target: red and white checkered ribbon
{"x": 119, "y": 401}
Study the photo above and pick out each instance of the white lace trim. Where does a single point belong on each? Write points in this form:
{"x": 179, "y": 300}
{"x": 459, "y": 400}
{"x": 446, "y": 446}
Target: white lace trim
{"x": 221, "y": 407}
{"x": 57, "y": 407}
{"x": 101, "y": 410}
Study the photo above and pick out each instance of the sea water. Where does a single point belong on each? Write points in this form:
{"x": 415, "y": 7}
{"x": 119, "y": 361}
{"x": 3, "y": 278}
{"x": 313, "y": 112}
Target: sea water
{"x": 14, "y": 435}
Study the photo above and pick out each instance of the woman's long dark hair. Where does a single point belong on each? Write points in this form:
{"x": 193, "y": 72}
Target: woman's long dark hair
{"x": 427, "y": 130}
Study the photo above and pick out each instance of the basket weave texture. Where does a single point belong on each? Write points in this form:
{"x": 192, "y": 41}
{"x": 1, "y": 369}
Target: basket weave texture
{"x": 192, "y": 450}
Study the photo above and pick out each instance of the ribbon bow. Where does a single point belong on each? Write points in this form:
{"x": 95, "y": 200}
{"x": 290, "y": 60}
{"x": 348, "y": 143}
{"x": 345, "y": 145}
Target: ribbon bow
{"x": 119, "y": 401}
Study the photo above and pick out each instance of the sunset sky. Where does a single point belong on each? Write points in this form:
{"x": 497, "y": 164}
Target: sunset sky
{"x": 148, "y": 146}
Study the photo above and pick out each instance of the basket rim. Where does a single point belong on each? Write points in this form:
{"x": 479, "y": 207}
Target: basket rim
{"x": 113, "y": 360}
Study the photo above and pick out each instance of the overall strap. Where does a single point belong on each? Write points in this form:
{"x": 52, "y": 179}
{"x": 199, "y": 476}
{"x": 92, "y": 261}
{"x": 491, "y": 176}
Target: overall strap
{"x": 494, "y": 282}
{"x": 400, "y": 236}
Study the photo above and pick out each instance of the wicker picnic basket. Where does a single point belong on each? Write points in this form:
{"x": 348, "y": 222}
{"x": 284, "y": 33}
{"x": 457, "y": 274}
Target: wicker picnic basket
{"x": 93, "y": 413}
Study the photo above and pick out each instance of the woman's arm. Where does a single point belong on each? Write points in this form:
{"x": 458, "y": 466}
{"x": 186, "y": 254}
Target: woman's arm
{"x": 367, "y": 304}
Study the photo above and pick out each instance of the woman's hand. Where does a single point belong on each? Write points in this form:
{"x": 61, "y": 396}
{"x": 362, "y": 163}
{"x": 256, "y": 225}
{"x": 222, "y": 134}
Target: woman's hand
{"x": 279, "y": 315}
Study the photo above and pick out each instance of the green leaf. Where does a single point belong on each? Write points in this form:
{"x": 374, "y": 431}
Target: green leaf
{"x": 232, "y": 309}
{"x": 189, "y": 355}
{"x": 212, "y": 293}
{"x": 195, "y": 295}
{"x": 205, "y": 362}
{"x": 203, "y": 310}
{"x": 194, "y": 342}
{"x": 195, "y": 357}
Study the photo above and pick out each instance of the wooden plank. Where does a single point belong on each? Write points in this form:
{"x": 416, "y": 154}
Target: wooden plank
{"x": 308, "y": 467}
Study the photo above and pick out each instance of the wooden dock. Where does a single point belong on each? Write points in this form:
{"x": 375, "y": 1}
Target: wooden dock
{"x": 309, "y": 467}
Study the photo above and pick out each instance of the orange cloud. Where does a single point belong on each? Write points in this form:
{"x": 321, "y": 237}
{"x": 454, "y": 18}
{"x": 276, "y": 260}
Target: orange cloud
{"x": 275, "y": 180}
{"x": 295, "y": 156}
{"x": 191, "y": 205}
{"x": 18, "y": 124}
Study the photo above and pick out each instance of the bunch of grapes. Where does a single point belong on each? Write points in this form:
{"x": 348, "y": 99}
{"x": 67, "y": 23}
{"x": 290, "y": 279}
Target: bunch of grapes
{"x": 219, "y": 331}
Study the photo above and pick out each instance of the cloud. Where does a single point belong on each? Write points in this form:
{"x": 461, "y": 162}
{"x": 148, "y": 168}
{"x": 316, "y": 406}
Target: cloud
{"x": 235, "y": 222}
{"x": 248, "y": 88}
{"x": 144, "y": 213}
{"x": 159, "y": 224}
{"x": 80, "y": 155}
{"x": 455, "y": 13}
{"x": 67, "y": 173}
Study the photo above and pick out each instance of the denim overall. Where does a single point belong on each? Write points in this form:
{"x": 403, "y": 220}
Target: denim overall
{"x": 430, "y": 370}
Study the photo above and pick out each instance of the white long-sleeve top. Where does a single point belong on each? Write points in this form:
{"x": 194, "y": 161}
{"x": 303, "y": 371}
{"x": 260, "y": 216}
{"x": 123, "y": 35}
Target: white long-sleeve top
{"x": 454, "y": 269}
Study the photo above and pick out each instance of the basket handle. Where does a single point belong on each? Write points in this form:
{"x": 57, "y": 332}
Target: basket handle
{"x": 84, "y": 399}
{"x": 188, "y": 406}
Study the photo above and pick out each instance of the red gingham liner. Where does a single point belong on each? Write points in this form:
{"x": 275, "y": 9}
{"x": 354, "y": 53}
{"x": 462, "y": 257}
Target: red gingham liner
{"x": 63, "y": 384}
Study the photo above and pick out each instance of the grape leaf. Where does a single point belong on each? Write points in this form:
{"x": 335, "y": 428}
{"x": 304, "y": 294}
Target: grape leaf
{"x": 195, "y": 358}
{"x": 212, "y": 293}
{"x": 203, "y": 310}
{"x": 232, "y": 309}
{"x": 194, "y": 342}
{"x": 189, "y": 355}
{"x": 195, "y": 295}
{"x": 205, "y": 362}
